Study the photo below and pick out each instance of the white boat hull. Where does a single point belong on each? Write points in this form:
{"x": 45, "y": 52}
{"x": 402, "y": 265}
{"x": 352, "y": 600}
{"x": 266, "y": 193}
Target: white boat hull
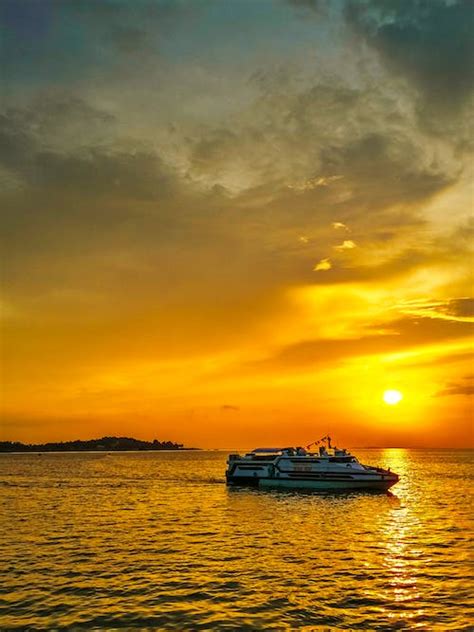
{"x": 284, "y": 483}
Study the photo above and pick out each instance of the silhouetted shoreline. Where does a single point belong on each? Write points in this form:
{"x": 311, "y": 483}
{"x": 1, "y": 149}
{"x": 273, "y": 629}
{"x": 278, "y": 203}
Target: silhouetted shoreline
{"x": 105, "y": 444}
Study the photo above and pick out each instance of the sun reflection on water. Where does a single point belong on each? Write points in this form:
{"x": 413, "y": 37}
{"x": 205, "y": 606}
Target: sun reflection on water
{"x": 402, "y": 530}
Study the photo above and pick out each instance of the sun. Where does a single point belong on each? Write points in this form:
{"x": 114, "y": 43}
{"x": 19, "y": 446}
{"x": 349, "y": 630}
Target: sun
{"x": 392, "y": 397}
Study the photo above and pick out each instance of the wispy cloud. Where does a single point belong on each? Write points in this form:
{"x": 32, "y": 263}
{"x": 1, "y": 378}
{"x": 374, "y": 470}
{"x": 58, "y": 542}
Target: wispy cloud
{"x": 453, "y": 309}
{"x": 463, "y": 387}
{"x": 401, "y": 334}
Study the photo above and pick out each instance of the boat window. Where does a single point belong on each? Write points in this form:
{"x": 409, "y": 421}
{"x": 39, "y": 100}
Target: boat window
{"x": 264, "y": 457}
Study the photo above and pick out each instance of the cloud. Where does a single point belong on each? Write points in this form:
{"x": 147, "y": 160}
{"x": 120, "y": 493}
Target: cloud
{"x": 428, "y": 43}
{"x": 401, "y": 334}
{"x": 458, "y": 309}
{"x": 98, "y": 192}
{"x": 324, "y": 264}
{"x": 347, "y": 244}
{"x": 134, "y": 174}
{"x": 464, "y": 387}
{"x": 49, "y": 124}
{"x": 339, "y": 225}
{"x": 377, "y": 172}
{"x": 230, "y": 408}
{"x": 461, "y": 307}
{"x": 38, "y": 154}
{"x": 372, "y": 160}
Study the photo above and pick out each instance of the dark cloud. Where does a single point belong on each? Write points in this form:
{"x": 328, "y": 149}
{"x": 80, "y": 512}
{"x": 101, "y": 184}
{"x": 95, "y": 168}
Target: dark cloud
{"x": 230, "y": 407}
{"x": 383, "y": 170}
{"x": 374, "y": 159}
{"x": 15, "y": 143}
{"x": 60, "y": 113}
{"x": 87, "y": 190}
{"x": 413, "y": 331}
{"x": 97, "y": 213}
{"x": 88, "y": 210}
{"x": 429, "y": 42}
{"x": 455, "y": 308}
{"x": 401, "y": 334}
{"x": 30, "y": 147}
{"x": 463, "y": 307}
{"x": 136, "y": 174}
{"x": 464, "y": 387}
{"x": 64, "y": 120}
{"x": 92, "y": 218}
{"x": 213, "y": 149}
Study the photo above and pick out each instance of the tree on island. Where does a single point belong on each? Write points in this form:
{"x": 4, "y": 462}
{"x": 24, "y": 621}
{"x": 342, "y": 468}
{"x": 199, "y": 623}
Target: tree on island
{"x": 105, "y": 444}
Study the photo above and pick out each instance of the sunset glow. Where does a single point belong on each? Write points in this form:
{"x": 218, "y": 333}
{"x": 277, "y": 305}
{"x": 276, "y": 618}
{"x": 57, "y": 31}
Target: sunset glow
{"x": 227, "y": 242}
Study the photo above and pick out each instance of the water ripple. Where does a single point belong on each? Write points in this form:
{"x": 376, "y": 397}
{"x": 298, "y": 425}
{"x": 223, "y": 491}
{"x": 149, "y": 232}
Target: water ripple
{"x": 158, "y": 541}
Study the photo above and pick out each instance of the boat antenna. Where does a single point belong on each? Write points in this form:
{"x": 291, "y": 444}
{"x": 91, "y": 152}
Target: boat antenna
{"x": 322, "y": 440}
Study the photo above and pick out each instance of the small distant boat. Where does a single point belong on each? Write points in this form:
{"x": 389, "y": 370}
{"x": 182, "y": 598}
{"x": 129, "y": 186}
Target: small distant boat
{"x": 327, "y": 469}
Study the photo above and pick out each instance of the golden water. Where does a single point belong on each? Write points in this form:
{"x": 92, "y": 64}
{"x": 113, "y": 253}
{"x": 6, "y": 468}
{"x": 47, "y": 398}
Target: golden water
{"x": 156, "y": 540}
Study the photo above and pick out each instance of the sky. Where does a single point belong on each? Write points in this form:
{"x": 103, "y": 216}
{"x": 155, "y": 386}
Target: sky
{"x": 231, "y": 223}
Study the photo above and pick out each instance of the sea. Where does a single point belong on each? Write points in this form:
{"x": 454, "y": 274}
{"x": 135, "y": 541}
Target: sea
{"x": 155, "y": 540}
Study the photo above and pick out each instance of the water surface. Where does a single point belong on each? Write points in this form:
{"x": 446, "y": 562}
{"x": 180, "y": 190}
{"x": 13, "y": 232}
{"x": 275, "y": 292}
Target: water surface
{"x": 157, "y": 540}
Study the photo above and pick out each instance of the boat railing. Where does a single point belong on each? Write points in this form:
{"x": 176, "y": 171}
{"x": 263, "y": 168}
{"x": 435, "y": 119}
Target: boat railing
{"x": 375, "y": 468}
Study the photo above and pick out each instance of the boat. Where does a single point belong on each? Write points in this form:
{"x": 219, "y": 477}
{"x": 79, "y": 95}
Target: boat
{"x": 326, "y": 469}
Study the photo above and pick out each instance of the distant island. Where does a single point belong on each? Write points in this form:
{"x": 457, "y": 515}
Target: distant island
{"x": 105, "y": 444}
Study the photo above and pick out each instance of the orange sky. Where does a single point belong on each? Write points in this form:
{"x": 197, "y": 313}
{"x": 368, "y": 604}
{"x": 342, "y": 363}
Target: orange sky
{"x": 229, "y": 241}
